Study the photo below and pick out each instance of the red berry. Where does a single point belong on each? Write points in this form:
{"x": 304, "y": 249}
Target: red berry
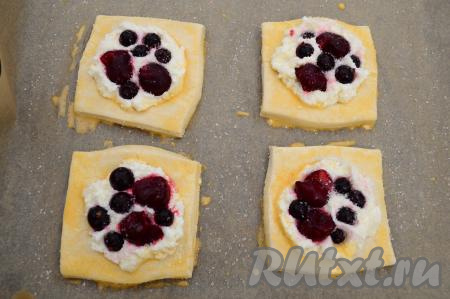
{"x": 322, "y": 177}
{"x": 154, "y": 79}
{"x": 311, "y": 77}
{"x": 118, "y": 66}
{"x": 312, "y": 192}
{"x": 333, "y": 43}
{"x": 318, "y": 225}
{"x": 153, "y": 192}
{"x": 137, "y": 228}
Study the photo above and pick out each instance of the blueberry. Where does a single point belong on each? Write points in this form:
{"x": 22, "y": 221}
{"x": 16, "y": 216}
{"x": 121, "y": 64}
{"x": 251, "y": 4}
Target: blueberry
{"x": 163, "y": 55}
{"x": 121, "y": 202}
{"x": 307, "y": 35}
{"x": 304, "y": 50}
{"x": 152, "y": 40}
{"x": 127, "y": 38}
{"x": 357, "y": 198}
{"x": 113, "y": 241}
{"x": 164, "y": 217}
{"x": 325, "y": 62}
{"x": 140, "y": 51}
{"x": 98, "y": 218}
{"x": 346, "y": 215}
{"x": 338, "y": 236}
{"x": 342, "y": 185}
{"x": 345, "y": 74}
{"x": 298, "y": 209}
{"x": 128, "y": 90}
{"x": 356, "y": 60}
{"x": 121, "y": 178}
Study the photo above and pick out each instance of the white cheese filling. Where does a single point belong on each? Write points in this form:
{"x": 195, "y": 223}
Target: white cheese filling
{"x": 368, "y": 217}
{"x": 131, "y": 256}
{"x": 143, "y": 99}
{"x": 285, "y": 61}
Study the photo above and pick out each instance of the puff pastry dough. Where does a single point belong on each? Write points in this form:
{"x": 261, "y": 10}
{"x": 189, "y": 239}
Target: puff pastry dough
{"x": 170, "y": 117}
{"x": 79, "y": 260}
{"x": 284, "y": 165}
{"x": 285, "y": 109}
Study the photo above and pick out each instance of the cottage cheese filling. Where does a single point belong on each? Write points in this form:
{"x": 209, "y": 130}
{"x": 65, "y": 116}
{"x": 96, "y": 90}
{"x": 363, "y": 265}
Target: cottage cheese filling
{"x": 285, "y": 61}
{"x": 143, "y": 99}
{"x": 368, "y": 218}
{"x": 131, "y": 256}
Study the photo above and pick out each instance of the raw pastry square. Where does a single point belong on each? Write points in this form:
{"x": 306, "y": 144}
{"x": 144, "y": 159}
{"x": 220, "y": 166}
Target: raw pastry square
{"x": 79, "y": 260}
{"x": 170, "y": 117}
{"x": 284, "y": 166}
{"x": 285, "y": 109}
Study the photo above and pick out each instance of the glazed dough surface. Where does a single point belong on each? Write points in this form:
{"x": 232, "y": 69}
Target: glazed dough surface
{"x": 170, "y": 117}
{"x": 283, "y": 107}
{"x": 78, "y": 260}
{"x": 284, "y": 166}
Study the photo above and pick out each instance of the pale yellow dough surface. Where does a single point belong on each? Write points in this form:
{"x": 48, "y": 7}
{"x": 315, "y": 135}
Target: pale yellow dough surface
{"x": 285, "y": 109}
{"x": 171, "y": 117}
{"x": 284, "y": 166}
{"x": 78, "y": 260}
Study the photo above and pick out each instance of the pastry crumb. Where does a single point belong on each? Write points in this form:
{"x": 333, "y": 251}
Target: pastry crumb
{"x": 71, "y": 116}
{"x": 76, "y": 47}
{"x": 108, "y": 143}
{"x": 74, "y": 281}
{"x": 260, "y": 236}
{"x": 23, "y": 295}
{"x": 85, "y": 124}
{"x": 198, "y": 245}
{"x": 183, "y": 283}
{"x": 60, "y": 101}
{"x": 297, "y": 144}
{"x": 242, "y": 113}
{"x": 205, "y": 200}
{"x": 343, "y": 143}
{"x": 341, "y": 6}
{"x": 185, "y": 155}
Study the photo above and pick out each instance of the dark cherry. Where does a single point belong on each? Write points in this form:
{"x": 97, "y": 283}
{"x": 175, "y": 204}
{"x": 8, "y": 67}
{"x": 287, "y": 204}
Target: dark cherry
{"x": 338, "y": 236}
{"x": 98, "y": 218}
{"x": 128, "y": 38}
{"x": 346, "y": 215}
{"x": 322, "y": 177}
{"x": 311, "y": 192}
{"x": 304, "y": 50}
{"x": 128, "y": 90}
{"x": 307, "y": 35}
{"x": 154, "y": 79}
{"x": 138, "y": 229}
{"x": 342, "y": 185}
{"x": 121, "y": 178}
{"x": 356, "y": 60}
{"x": 163, "y": 55}
{"x": 311, "y": 77}
{"x": 318, "y": 225}
{"x": 118, "y": 66}
{"x": 298, "y": 209}
{"x": 153, "y": 192}
{"x": 152, "y": 40}
{"x": 325, "y": 62}
{"x": 345, "y": 74}
{"x": 113, "y": 241}
{"x": 334, "y": 44}
{"x": 121, "y": 202}
{"x": 164, "y": 217}
{"x": 357, "y": 198}
{"x": 140, "y": 51}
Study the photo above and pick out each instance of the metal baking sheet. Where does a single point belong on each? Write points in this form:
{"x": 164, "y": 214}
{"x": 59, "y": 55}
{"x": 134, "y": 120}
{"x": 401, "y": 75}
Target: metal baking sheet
{"x": 412, "y": 40}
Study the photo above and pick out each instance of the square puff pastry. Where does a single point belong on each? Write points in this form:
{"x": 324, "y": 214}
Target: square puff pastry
{"x": 170, "y": 117}
{"x": 285, "y": 109}
{"x": 79, "y": 260}
{"x": 285, "y": 164}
